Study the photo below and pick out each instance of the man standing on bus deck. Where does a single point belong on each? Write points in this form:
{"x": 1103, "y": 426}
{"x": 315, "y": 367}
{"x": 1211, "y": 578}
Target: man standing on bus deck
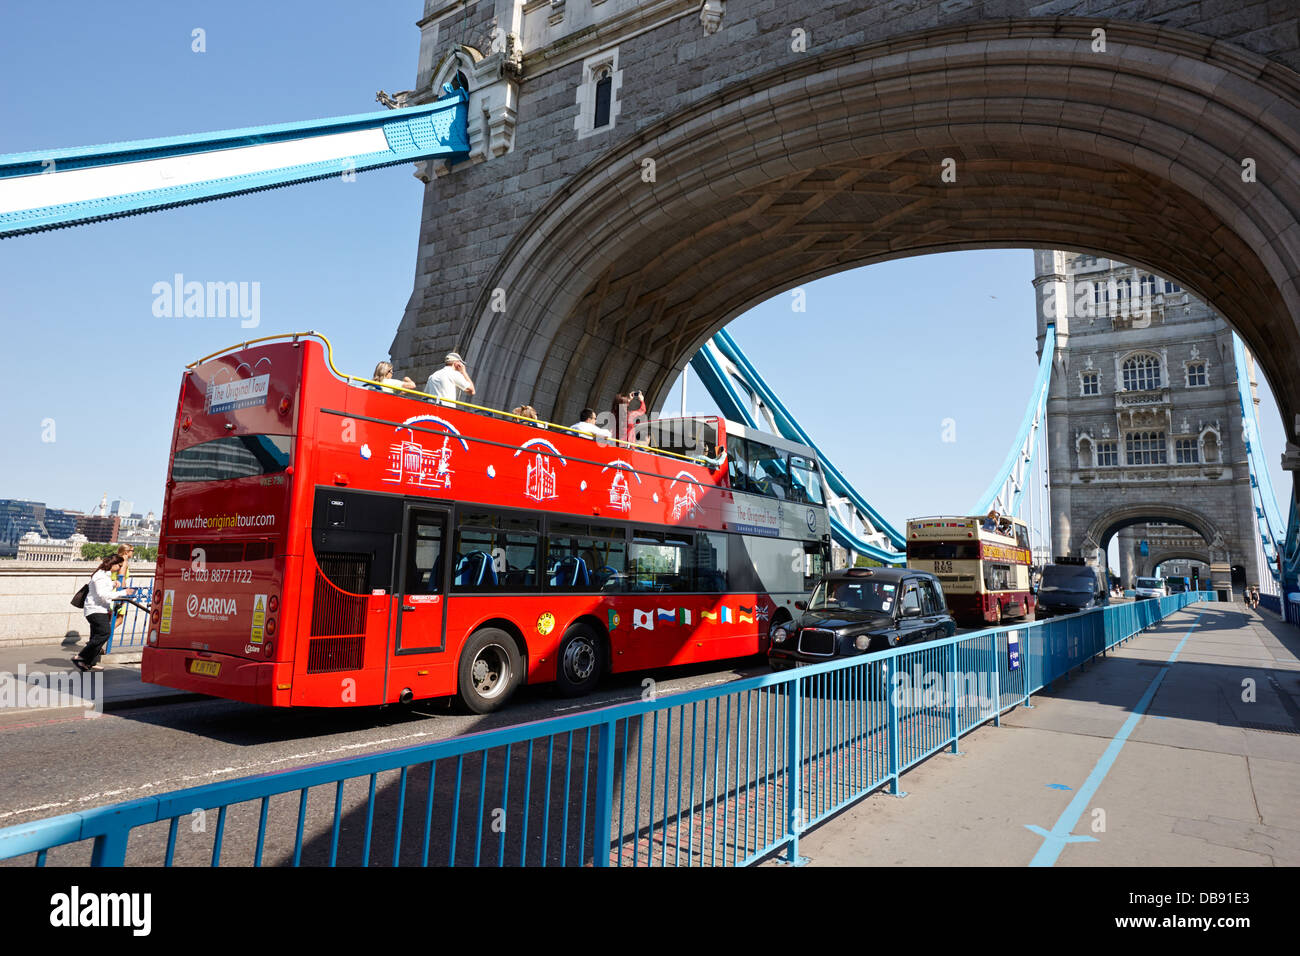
{"x": 448, "y": 382}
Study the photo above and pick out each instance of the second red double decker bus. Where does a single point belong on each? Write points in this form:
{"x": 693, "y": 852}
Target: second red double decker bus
{"x": 328, "y": 542}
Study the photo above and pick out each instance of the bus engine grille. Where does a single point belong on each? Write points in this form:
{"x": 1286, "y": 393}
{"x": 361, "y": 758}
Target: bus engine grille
{"x": 338, "y": 623}
{"x": 334, "y": 654}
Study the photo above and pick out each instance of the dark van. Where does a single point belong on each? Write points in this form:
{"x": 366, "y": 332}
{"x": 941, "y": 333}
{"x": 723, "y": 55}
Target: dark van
{"x": 1067, "y": 588}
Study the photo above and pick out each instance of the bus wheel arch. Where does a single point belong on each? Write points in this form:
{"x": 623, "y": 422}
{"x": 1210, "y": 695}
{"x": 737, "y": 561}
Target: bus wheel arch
{"x": 583, "y": 639}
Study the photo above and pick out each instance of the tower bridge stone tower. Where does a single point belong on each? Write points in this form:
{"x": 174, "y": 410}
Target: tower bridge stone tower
{"x": 1143, "y": 420}
{"x": 643, "y": 171}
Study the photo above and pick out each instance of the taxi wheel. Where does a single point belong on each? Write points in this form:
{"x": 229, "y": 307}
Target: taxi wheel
{"x": 489, "y": 672}
{"x": 580, "y": 661}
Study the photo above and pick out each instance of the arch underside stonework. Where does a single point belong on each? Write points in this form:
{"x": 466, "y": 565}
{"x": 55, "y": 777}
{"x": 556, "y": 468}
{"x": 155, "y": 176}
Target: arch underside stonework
{"x": 1105, "y": 525}
{"x": 1151, "y": 563}
{"x": 835, "y": 162}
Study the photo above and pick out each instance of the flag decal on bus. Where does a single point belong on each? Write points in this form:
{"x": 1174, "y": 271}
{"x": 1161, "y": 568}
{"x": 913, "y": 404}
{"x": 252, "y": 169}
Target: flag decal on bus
{"x": 746, "y": 614}
{"x": 726, "y": 614}
{"x": 668, "y": 615}
{"x": 709, "y": 615}
{"x": 643, "y": 619}
{"x": 683, "y": 615}
{"x": 613, "y": 619}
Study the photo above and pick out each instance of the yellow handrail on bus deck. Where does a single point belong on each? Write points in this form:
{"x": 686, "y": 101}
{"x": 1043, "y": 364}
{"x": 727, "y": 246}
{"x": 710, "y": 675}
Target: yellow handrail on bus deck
{"x": 329, "y": 357}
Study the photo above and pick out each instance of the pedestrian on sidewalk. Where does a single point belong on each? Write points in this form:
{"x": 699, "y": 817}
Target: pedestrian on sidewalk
{"x": 98, "y": 609}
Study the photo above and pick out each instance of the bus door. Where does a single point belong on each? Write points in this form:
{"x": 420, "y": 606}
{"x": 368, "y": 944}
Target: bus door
{"x": 422, "y": 585}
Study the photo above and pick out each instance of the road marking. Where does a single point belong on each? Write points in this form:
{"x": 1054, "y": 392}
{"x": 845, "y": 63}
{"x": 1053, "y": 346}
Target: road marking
{"x": 174, "y": 783}
{"x": 1063, "y": 831}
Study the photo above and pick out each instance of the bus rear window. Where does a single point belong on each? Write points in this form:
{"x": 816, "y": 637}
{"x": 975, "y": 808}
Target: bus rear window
{"x": 234, "y": 456}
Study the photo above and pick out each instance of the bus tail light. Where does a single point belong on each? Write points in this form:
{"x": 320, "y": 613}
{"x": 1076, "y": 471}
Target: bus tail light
{"x": 273, "y": 604}
{"x": 153, "y": 636}
{"x": 284, "y": 406}
{"x": 270, "y": 627}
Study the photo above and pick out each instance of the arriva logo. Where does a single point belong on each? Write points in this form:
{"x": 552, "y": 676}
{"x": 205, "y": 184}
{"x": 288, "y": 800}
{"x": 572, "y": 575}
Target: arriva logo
{"x": 211, "y": 605}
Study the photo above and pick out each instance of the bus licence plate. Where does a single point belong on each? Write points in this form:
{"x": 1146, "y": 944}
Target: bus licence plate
{"x": 206, "y": 668}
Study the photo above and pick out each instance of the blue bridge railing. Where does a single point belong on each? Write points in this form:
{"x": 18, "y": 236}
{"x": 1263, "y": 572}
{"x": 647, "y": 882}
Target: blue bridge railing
{"x": 718, "y": 776}
{"x": 131, "y": 628}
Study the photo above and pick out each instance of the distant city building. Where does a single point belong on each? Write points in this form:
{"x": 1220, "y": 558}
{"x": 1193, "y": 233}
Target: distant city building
{"x": 40, "y": 550}
{"x": 17, "y": 518}
{"x": 60, "y": 525}
{"x": 120, "y": 508}
{"x": 103, "y": 529}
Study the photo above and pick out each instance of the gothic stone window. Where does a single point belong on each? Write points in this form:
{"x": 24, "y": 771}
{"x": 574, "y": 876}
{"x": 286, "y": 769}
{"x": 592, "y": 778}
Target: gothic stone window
{"x": 1186, "y": 451}
{"x": 1196, "y": 374}
{"x": 1091, "y": 383}
{"x": 1141, "y": 372}
{"x": 1210, "y": 444}
{"x": 1107, "y": 454}
{"x": 598, "y": 94}
{"x": 1146, "y": 448}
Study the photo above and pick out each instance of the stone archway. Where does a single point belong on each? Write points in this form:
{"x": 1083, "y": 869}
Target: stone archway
{"x": 834, "y": 162}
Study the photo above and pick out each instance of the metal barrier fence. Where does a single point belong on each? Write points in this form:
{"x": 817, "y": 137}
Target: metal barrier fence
{"x": 725, "y": 775}
{"x": 1282, "y": 606}
{"x": 131, "y": 628}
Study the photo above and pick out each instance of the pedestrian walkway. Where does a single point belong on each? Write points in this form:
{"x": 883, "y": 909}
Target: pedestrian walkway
{"x": 1182, "y": 748}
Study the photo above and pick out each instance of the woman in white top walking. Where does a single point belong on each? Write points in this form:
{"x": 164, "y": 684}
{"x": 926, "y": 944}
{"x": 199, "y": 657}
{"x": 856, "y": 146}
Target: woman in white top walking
{"x": 98, "y": 609}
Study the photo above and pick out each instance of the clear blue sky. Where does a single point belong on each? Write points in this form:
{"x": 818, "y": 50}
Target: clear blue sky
{"x": 882, "y": 356}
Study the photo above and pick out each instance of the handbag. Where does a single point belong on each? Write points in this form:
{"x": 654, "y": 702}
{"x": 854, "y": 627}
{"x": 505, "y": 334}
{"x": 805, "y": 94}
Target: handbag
{"x": 79, "y": 599}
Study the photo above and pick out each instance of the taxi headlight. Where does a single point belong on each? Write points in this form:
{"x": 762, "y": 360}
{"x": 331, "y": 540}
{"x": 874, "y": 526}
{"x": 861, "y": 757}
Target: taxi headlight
{"x": 779, "y": 634}
{"x": 862, "y": 641}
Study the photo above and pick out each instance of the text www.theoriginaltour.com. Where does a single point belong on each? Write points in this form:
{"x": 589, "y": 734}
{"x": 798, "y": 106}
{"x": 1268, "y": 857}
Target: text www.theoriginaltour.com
{"x": 1203, "y": 923}
{"x": 223, "y": 521}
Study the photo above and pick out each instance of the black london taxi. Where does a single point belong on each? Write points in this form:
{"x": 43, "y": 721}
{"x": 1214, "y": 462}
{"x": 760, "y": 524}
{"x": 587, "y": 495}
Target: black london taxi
{"x": 858, "y": 610}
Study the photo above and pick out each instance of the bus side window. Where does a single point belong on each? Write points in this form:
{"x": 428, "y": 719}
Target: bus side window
{"x": 814, "y": 564}
{"x": 482, "y": 539}
{"x": 584, "y": 558}
{"x": 738, "y": 464}
{"x": 424, "y": 554}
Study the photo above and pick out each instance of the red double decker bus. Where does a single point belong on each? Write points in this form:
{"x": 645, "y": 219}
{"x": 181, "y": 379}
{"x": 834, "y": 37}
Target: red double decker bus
{"x": 329, "y": 542}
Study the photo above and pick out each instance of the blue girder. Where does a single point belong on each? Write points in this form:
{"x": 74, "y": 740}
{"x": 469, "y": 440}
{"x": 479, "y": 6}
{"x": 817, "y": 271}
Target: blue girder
{"x": 735, "y": 404}
{"x": 1007, "y": 488}
{"x": 1276, "y": 536}
{"x": 51, "y": 189}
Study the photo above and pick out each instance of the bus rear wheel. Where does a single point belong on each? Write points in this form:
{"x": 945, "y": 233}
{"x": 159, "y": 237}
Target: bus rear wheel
{"x": 490, "y": 670}
{"x": 581, "y": 661}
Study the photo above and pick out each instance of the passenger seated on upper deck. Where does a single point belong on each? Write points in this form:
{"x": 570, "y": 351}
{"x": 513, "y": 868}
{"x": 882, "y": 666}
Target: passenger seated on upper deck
{"x": 527, "y": 412}
{"x": 990, "y": 522}
{"x": 449, "y": 381}
{"x": 384, "y": 376}
{"x": 588, "y": 427}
